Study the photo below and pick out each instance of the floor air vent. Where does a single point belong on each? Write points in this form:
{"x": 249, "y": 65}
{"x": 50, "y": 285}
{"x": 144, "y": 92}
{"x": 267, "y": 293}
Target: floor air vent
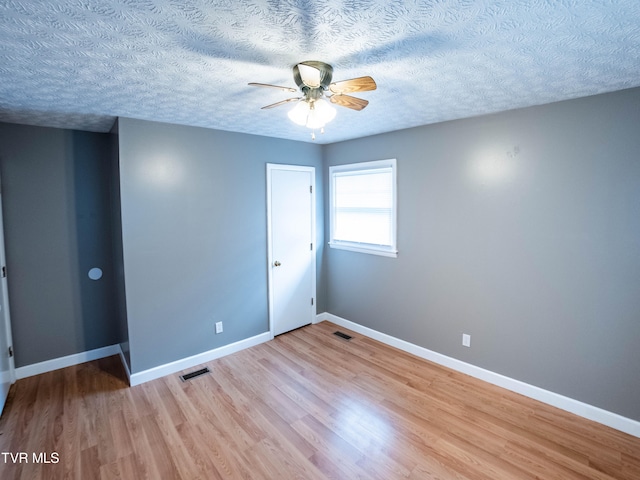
{"x": 343, "y": 335}
{"x": 197, "y": 373}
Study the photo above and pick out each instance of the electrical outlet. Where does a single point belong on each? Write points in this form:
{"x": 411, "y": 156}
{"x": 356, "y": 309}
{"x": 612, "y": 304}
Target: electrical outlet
{"x": 218, "y": 327}
{"x": 466, "y": 340}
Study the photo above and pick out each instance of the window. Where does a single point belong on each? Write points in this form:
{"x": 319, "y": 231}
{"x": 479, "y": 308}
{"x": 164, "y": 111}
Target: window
{"x": 363, "y": 207}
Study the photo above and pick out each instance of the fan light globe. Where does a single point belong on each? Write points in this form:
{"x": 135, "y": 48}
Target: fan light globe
{"x": 299, "y": 113}
{"x": 321, "y": 114}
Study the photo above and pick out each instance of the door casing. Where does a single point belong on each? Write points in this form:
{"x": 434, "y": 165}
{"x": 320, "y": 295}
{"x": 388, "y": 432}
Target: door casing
{"x": 7, "y": 365}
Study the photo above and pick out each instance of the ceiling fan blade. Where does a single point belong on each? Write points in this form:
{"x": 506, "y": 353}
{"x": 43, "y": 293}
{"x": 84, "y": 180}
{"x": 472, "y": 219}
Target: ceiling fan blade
{"x": 360, "y": 84}
{"x": 310, "y": 75}
{"x": 284, "y": 89}
{"x": 282, "y": 102}
{"x": 349, "y": 101}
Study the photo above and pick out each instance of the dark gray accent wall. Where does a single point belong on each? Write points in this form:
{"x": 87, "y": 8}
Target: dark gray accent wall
{"x": 521, "y": 229}
{"x": 195, "y": 235}
{"x": 56, "y": 206}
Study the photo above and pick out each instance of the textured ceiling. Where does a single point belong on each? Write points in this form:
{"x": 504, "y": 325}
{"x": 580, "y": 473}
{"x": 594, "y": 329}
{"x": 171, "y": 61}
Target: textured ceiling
{"x": 82, "y": 63}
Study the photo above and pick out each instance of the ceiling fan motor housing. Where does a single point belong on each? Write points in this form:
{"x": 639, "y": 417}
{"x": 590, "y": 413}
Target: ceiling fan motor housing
{"x": 326, "y": 74}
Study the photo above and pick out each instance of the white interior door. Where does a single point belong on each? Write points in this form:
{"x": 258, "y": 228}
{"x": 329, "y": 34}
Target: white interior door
{"x": 291, "y": 234}
{"x": 7, "y": 371}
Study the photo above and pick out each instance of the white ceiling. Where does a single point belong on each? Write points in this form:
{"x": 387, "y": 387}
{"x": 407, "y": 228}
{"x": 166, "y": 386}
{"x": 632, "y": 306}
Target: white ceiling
{"x": 82, "y": 63}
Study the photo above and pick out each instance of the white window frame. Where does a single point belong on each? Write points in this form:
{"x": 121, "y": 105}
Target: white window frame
{"x": 384, "y": 250}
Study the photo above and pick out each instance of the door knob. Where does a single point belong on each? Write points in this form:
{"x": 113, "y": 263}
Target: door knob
{"x": 276, "y": 263}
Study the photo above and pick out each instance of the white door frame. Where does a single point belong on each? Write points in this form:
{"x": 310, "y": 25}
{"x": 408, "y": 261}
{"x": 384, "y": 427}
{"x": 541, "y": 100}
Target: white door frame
{"x": 270, "y": 259}
{"x": 5, "y": 317}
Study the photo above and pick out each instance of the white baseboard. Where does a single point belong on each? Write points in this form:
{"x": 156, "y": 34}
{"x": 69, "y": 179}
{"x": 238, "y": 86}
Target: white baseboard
{"x": 63, "y": 362}
{"x": 610, "y": 419}
{"x": 146, "y": 375}
{"x": 178, "y": 365}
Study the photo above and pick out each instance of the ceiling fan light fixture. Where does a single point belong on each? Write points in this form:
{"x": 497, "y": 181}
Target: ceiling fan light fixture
{"x": 320, "y": 113}
{"x": 312, "y": 114}
{"x": 300, "y": 113}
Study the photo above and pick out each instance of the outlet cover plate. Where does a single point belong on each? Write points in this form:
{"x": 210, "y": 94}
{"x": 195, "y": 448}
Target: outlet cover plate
{"x": 466, "y": 340}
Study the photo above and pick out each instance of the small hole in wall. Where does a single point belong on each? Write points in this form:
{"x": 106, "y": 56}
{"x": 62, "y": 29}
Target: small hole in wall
{"x": 95, "y": 273}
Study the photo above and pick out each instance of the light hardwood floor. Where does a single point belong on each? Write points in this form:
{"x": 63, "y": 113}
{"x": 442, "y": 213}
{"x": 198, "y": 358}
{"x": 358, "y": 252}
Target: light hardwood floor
{"x": 307, "y": 405}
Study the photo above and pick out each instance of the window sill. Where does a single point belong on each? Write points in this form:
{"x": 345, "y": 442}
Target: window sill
{"x": 365, "y": 248}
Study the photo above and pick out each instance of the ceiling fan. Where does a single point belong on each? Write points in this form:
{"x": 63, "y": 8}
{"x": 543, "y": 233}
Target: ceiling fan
{"x": 313, "y": 79}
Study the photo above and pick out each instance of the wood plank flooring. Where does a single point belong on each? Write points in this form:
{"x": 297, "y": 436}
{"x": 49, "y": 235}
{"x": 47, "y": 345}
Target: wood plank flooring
{"x": 307, "y": 405}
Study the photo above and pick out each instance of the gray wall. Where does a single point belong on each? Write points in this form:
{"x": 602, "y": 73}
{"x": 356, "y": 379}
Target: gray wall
{"x": 195, "y": 235}
{"x": 119, "y": 297}
{"x": 55, "y": 193}
{"x": 521, "y": 229}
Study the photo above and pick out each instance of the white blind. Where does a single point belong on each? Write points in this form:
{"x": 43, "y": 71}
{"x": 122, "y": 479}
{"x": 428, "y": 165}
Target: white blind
{"x": 363, "y": 206}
